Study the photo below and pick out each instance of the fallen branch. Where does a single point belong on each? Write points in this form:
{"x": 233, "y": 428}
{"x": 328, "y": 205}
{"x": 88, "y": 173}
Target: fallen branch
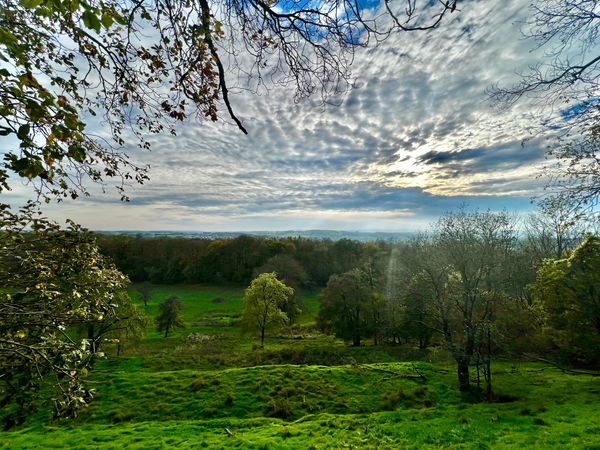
{"x": 418, "y": 376}
{"x": 564, "y": 369}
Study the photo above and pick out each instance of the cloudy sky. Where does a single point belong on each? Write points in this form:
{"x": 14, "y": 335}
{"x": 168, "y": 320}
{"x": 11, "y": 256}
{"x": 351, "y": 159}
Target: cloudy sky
{"x": 416, "y": 137}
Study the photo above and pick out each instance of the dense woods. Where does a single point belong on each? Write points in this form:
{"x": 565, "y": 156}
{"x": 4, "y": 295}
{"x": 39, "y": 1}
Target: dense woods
{"x": 303, "y": 262}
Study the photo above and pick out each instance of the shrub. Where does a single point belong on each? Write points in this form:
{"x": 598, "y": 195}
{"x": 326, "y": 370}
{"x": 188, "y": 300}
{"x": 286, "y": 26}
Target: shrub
{"x": 229, "y": 399}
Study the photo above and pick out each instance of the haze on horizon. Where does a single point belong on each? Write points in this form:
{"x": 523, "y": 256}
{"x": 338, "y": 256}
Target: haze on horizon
{"x": 415, "y": 138}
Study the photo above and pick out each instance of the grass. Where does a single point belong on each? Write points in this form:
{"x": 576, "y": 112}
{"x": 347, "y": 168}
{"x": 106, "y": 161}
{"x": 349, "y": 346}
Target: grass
{"x": 225, "y": 393}
{"x": 360, "y": 406}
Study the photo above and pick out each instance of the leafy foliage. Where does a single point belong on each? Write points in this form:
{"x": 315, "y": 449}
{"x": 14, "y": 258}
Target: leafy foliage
{"x": 169, "y": 260}
{"x": 569, "y": 292}
{"x": 52, "y": 280}
{"x": 128, "y": 323}
{"x": 292, "y": 274}
{"x": 264, "y": 301}
{"x": 347, "y": 307}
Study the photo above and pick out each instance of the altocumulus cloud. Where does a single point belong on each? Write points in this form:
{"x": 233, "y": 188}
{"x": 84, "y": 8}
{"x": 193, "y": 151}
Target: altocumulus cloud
{"x": 414, "y": 138}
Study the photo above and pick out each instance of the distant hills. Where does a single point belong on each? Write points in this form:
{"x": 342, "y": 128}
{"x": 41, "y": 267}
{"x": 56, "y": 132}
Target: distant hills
{"x": 334, "y": 235}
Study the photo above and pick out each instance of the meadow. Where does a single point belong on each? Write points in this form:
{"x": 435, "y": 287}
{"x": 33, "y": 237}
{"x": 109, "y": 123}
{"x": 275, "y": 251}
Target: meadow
{"x": 306, "y": 390}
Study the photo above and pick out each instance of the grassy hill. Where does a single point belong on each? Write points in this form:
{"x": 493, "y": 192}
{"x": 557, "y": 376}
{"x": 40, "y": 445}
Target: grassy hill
{"x": 306, "y": 390}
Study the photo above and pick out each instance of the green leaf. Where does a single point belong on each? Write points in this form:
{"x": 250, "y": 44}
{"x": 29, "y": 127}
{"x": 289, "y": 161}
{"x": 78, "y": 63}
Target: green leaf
{"x": 7, "y": 37}
{"x": 77, "y": 153}
{"x": 20, "y": 164}
{"x": 33, "y": 170}
{"x": 146, "y": 15}
{"x": 121, "y": 20}
{"x": 5, "y": 131}
{"x": 30, "y": 4}
{"x": 73, "y": 5}
{"x": 91, "y": 21}
{"x": 35, "y": 110}
{"x": 23, "y": 131}
{"x": 107, "y": 20}
{"x": 71, "y": 121}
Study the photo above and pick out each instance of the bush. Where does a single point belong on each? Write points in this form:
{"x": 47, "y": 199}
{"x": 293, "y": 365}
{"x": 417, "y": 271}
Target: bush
{"x": 229, "y": 399}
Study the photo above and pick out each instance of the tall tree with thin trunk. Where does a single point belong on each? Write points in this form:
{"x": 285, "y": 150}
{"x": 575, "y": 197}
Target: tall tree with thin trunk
{"x": 476, "y": 248}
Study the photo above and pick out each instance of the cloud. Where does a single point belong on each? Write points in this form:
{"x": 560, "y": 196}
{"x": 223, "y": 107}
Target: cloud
{"x": 415, "y": 138}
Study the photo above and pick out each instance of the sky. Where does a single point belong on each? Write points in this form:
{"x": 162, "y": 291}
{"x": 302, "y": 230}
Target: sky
{"x": 416, "y": 137}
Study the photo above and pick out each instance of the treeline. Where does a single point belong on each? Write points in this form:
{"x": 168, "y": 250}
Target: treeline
{"x": 481, "y": 285}
{"x": 238, "y": 260}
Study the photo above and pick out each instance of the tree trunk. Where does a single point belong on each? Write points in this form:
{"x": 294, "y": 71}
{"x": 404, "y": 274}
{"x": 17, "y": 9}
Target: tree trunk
{"x": 167, "y": 331}
{"x": 488, "y": 366}
{"x": 91, "y": 338}
{"x": 464, "y": 383}
{"x": 487, "y": 371}
{"x": 262, "y": 337}
{"x": 356, "y": 341}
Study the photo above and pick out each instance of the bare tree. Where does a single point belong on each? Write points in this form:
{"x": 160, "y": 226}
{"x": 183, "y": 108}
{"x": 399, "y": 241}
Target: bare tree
{"x": 553, "y": 230}
{"x": 476, "y": 246}
{"x": 568, "y": 31}
{"x": 567, "y": 79}
{"x": 145, "y": 291}
{"x": 574, "y": 171}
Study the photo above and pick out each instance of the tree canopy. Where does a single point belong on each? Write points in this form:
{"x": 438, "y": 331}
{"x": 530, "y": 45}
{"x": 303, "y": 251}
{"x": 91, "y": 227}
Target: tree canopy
{"x": 264, "y": 303}
{"x": 347, "y": 307}
{"x": 52, "y": 280}
{"x": 568, "y": 290}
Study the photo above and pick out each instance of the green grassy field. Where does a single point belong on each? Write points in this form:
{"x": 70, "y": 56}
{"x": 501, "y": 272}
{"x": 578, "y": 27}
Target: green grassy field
{"x": 305, "y": 390}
